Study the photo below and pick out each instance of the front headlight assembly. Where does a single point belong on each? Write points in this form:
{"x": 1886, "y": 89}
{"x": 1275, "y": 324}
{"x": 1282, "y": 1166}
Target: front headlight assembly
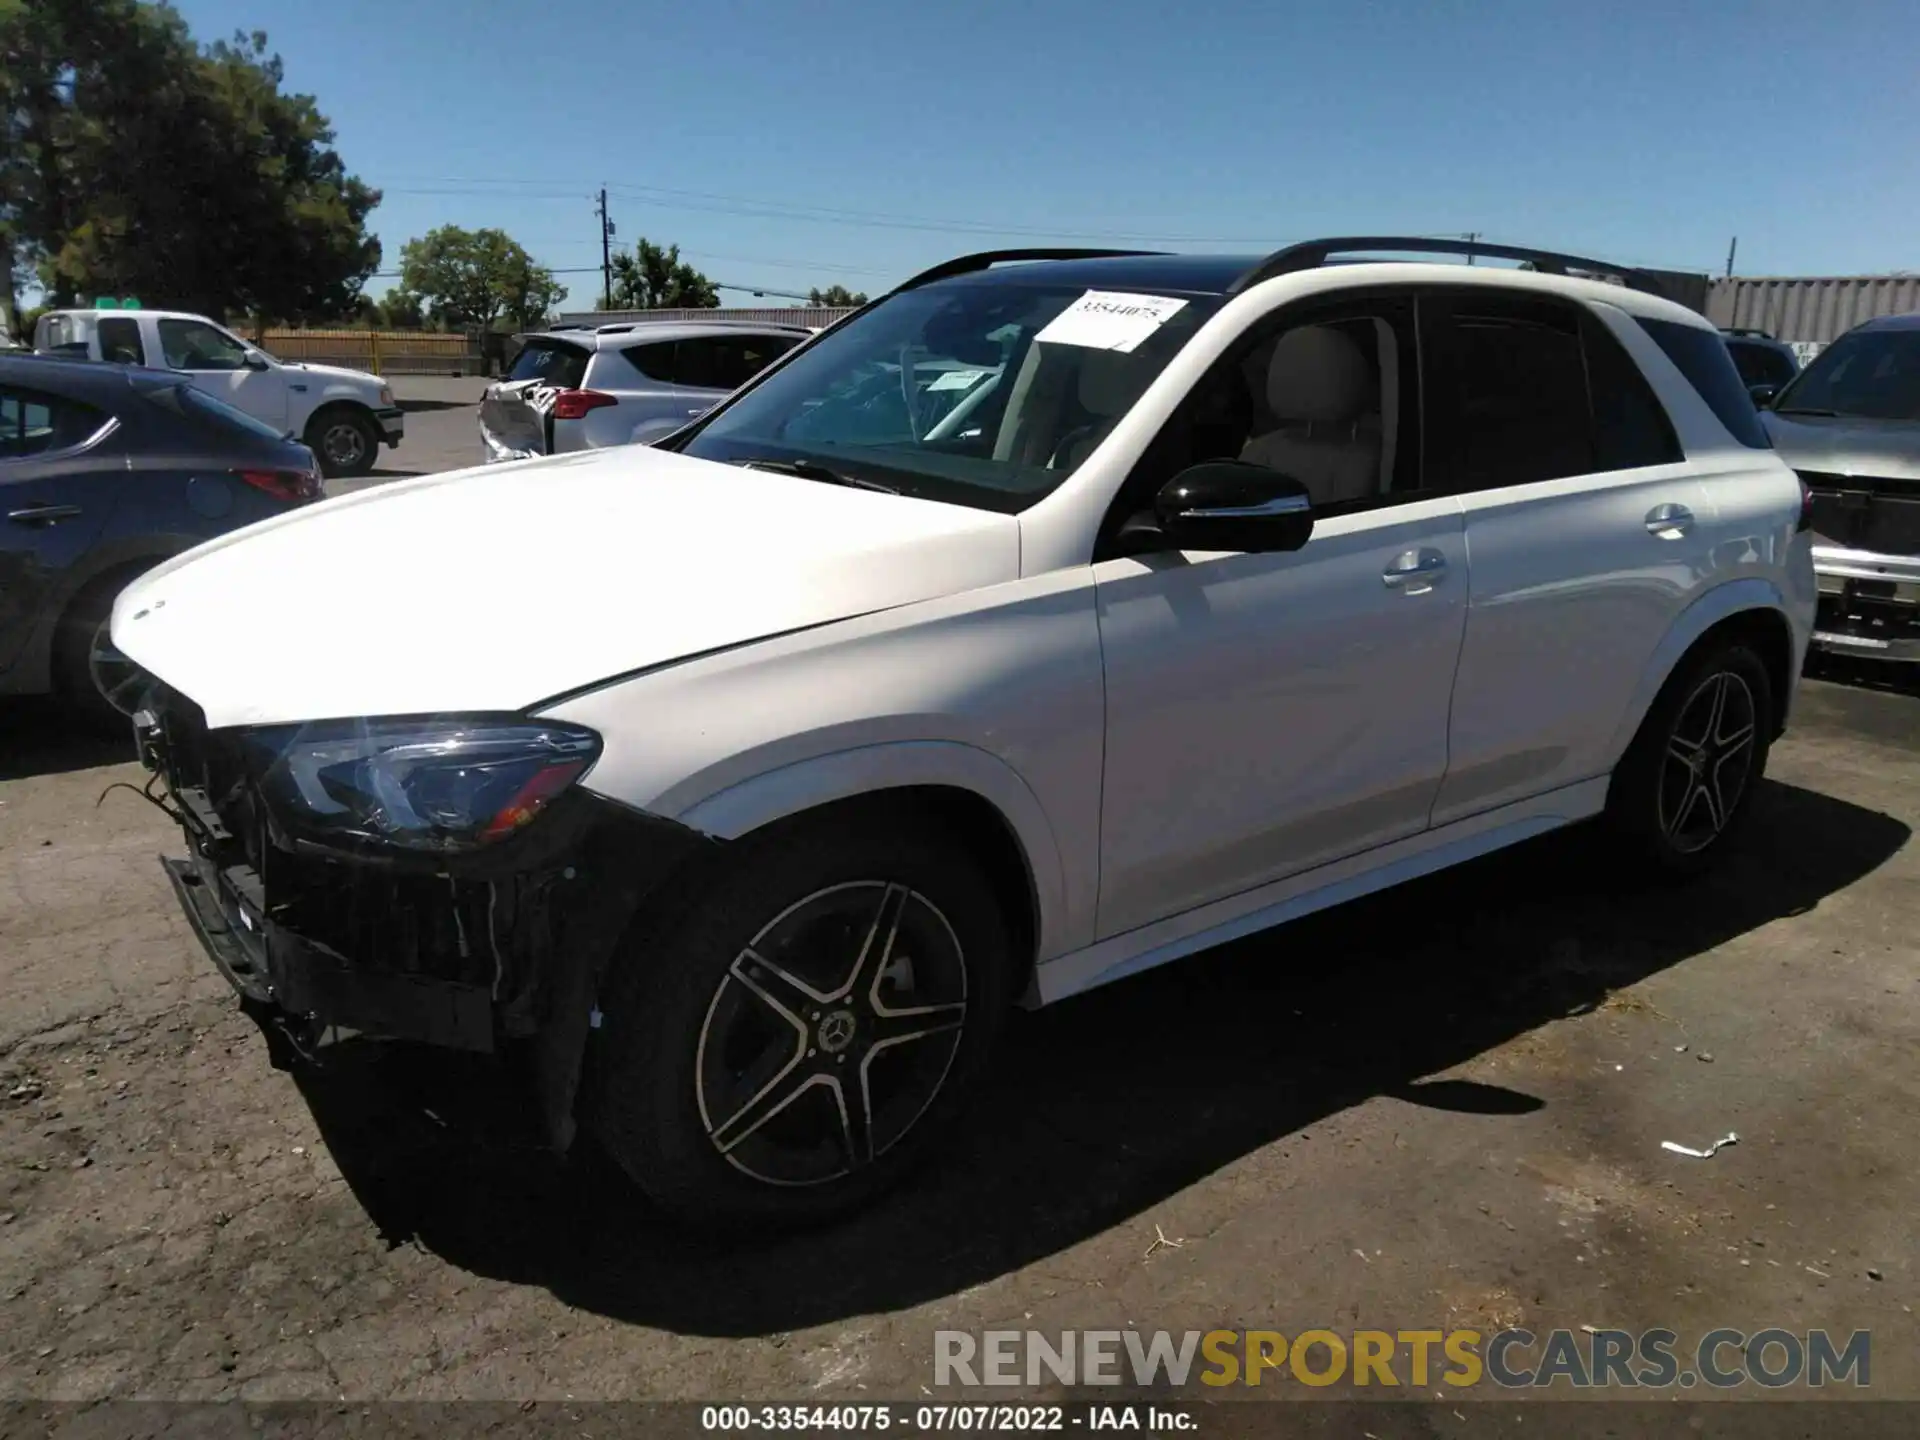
{"x": 442, "y": 785}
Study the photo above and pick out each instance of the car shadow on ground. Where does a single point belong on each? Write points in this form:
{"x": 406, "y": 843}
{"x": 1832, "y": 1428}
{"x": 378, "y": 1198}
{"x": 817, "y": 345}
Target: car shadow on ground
{"x": 1890, "y": 677}
{"x": 39, "y": 737}
{"x": 1101, "y": 1107}
{"x": 413, "y": 407}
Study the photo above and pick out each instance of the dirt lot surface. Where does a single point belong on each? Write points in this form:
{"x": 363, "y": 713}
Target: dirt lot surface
{"x": 1437, "y": 1108}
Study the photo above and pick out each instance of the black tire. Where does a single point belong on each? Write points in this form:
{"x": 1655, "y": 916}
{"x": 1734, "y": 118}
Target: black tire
{"x": 77, "y": 639}
{"x": 1687, "y": 781}
{"x": 691, "y": 1031}
{"x": 344, "y": 440}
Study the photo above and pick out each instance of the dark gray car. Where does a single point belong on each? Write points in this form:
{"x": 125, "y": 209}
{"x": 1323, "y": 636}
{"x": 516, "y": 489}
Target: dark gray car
{"x": 105, "y": 471}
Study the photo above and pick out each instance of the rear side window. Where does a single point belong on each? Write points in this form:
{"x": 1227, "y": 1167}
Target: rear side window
{"x": 1701, "y": 355}
{"x": 1630, "y": 427}
{"x": 120, "y": 341}
{"x": 1760, "y": 364}
{"x": 1521, "y": 410}
{"x": 653, "y": 360}
{"x": 32, "y": 423}
{"x": 186, "y": 400}
{"x": 558, "y": 364}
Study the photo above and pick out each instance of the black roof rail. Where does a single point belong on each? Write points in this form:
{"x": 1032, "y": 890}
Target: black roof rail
{"x": 967, "y": 264}
{"x": 1746, "y": 332}
{"x": 1311, "y": 254}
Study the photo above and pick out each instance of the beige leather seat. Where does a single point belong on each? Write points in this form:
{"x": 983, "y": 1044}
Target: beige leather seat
{"x": 1323, "y": 392}
{"x": 1107, "y": 384}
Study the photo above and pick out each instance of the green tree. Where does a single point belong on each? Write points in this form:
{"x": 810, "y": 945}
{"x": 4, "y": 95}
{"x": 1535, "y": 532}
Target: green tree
{"x": 136, "y": 162}
{"x": 476, "y": 277}
{"x": 837, "y": 297}
{"x": 652, "y": 278}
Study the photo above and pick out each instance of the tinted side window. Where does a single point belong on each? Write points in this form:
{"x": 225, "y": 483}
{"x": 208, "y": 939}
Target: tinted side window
{"x": 699, "y": 364}
{"x": 34, "y": 424}
{"x": 753, "y": 353}
{"x": 1701, "y": 355}
{"x": 1759, "y": 364}
{"x": 653, "y": 360}
{"x": 563, "y": 366}
{"x": 195, "y": 345}
{"x": 1630, "y": 427}
{"x": 120, "y": 341}
{"x": 1520, "y": 410}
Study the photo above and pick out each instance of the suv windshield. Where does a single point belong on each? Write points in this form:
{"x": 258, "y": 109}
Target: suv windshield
{"x": 1873, "y": 374}
{"x": 987, "y": 392}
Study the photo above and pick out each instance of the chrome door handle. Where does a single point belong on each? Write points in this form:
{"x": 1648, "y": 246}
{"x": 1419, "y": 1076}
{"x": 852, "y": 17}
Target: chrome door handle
{"x": 1415, "y": 571}
{"x": 43, "y": 514}
{"x": 1669, "y": 522}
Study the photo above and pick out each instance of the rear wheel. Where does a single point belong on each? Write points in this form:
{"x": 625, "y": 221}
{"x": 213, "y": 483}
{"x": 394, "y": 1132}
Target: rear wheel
{"x": 802, "y": 1036}
{"x": 1688, "y": 779}
{"x": 344, "y": 440}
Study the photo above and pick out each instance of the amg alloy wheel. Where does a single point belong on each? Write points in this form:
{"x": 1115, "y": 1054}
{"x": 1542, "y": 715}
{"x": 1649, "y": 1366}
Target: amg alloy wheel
{"x": 795, "y": 1040}
{"x": 1691, "y": 771}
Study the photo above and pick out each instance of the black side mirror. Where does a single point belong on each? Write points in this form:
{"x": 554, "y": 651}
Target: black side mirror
{"x": 1763, "y": 395}
{"x": 1234, "y": 505}
{"x": 255, "y": 360}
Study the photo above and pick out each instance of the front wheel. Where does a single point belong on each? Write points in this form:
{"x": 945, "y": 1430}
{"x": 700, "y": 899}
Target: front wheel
{"x": 802, "y": 1037}
{"x": 1688, "y": 779}
{"x": 345, "y": 442}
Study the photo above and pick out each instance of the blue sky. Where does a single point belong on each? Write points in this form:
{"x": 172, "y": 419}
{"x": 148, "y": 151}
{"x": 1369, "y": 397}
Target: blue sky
{"x": 818, "y": 141}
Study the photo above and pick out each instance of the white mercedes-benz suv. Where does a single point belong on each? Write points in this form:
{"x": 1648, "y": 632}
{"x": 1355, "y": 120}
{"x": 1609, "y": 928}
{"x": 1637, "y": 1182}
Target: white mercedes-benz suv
{"x": 1057, "y": 615}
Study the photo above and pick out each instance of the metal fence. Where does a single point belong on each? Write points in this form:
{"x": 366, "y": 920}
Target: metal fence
{"x": 383, "y": 352}
{"x": 1812, "y": 310}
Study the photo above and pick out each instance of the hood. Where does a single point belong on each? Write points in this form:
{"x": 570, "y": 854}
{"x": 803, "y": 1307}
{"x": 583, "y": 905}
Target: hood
{"x": 1847, "y": 445}
{"x": 500, "y": 587}
{"x": 337, "y": 372}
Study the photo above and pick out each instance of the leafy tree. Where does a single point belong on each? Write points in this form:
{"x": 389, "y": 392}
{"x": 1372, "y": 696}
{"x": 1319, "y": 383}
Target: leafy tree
{"x": 475, "y": 277}
{"x": 836, "y": 296}
{"x": 398, "y": 310}
{"x": 652, "y": 278}
{"x": 135, "y": 162}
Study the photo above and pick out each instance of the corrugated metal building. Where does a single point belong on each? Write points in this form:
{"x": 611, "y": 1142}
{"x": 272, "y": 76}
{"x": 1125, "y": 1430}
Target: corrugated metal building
{"x": 809, "y": 315}
{"x": 1809, "y": 310}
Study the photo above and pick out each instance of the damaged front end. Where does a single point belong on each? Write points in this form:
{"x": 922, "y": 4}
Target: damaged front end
{"x": 441, "y": 880}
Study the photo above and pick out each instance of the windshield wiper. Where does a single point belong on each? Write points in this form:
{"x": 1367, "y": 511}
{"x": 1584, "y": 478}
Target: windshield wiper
{"x": 808, "y": 470}
{"x": 1807, "y": 410}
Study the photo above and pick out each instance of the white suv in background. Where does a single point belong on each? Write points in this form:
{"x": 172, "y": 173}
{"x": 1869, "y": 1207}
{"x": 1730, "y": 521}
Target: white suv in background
{"x": 771, "y": 765}
{"x": 343, "y": 416}
{"x": 580, "y": 388}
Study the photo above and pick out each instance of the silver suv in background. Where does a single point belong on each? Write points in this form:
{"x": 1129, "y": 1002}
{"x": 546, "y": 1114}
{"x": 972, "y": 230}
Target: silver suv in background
{"x": 1850, "y": 424}
{"x": 580, "y": 388}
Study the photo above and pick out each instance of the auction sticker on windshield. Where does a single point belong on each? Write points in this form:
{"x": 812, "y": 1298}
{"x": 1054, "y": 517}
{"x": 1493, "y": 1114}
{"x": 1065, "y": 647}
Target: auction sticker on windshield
{"x": 1110, "y": 320}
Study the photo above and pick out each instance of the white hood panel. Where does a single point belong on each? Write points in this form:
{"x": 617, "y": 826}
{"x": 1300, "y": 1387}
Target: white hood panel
{"x": 497, "y": 588}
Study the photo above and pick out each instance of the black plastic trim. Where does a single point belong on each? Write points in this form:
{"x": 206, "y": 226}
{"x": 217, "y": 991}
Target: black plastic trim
{"x": 986, "y": 259}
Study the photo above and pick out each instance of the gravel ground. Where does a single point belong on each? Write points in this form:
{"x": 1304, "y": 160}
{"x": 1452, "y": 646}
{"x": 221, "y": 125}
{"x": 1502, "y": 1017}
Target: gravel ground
{"x": 1439, "y": 1107}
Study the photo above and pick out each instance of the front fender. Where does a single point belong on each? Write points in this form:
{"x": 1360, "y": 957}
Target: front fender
{"x": 776, "y": 794}
{"x": 1722, "y": 602}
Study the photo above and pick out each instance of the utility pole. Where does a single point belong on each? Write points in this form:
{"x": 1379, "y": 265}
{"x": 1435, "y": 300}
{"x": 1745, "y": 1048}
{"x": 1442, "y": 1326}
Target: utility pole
{"x": 1731, "y": 247}
{"x": 1470, "y": 237}
{"x": 606, "y": 253}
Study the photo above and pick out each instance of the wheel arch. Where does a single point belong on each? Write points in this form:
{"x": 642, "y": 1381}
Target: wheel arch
{"x": 1749, "y": 607}
{"x": 944, "y": 783}
{"x": 121, "y": 564}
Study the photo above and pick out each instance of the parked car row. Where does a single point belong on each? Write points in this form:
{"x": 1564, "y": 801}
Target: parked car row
{"x": 1059, "y": 615}
{"x": 344, "y": 416}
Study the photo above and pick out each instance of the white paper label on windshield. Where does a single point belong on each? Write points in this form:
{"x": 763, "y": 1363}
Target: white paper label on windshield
{"x": 1110, "y": 320}
{"x": 955, "y": 379}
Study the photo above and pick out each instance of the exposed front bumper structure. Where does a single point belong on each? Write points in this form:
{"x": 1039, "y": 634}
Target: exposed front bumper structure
{"x": 1869, "y": 603}
{"x": 393, "y": 425}
{"x": 501, "y": 952}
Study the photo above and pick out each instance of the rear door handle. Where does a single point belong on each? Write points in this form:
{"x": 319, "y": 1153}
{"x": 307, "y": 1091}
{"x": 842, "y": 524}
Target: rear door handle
{"x": 43, "y": 514}
{"x": 1415, "y": 571}
{"x": 1669, "y": 522}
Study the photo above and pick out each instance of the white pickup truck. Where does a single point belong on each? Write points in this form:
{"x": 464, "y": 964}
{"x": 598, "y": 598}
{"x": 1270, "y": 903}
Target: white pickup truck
{"x": 344, "y": 416}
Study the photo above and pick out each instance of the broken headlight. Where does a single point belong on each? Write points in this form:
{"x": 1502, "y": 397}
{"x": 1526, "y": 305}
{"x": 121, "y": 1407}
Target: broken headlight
{"x": 443, "y": 785}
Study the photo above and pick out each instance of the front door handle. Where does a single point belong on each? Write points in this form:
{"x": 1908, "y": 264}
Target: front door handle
{"x": 1669, "y": 522}
{"x": 43, "y": 514}
{"x": 1415, "y": 571}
